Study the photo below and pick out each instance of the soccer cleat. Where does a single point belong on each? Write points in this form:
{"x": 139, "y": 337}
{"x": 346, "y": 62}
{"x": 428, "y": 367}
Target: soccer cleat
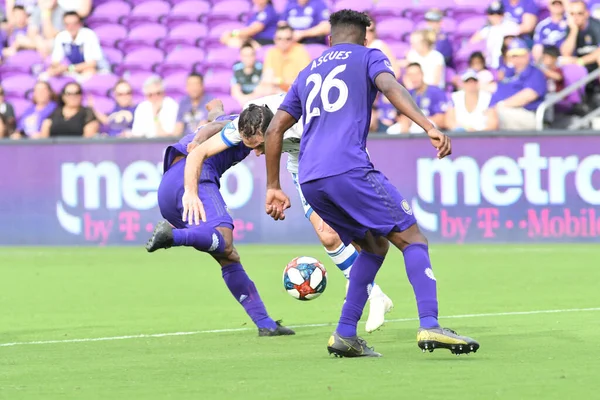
{"x": 280, "y": 330}
{"x": 349, "y": 347}
{"x": 444, "y": 338}
{"x": 379, "y": 305}
{"x": 162, "y": 237}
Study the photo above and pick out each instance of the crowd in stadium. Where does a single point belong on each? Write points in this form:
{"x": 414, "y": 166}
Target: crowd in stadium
{"x": 147, "y": 68}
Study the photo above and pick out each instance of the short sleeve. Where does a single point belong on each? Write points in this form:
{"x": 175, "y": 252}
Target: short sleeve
{"x": 91, "y": 49}
{"x": 531, "y": 8}
{"x": 440, "y": 105}
{"x": 230, "y": 135}
{"x": 88, "y": 115}
{"x": 378, "y": 63}
{"x": 292, "y": 103}
{"x": 58, "y": 53}
{"x": 181, "y": 111}
{"x": 537, "y": 82}
{"x": 537, "y": 34}
{"x": 321, "y": 13}
{"x": 484, "y": 32}
{"x": 35, "y": 19}
{"x": 437, "y": 58}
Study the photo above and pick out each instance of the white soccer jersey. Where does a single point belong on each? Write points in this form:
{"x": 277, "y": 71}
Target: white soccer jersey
{"x": 291, "y": 138}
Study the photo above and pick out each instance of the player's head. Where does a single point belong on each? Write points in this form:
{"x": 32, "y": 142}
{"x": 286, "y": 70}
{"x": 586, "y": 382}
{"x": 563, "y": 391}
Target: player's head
{"x": 414, "y": 75}
{"x": 349, "y": 26}
{"x": 253, "y": 124}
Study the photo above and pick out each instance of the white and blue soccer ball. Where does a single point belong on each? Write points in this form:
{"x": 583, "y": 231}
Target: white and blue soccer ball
{"x": 305, "y": 278}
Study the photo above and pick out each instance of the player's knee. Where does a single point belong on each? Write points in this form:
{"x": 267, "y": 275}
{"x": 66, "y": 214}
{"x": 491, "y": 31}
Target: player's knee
{"x": 329, "y": 239}
{"x": 405, "y": 238}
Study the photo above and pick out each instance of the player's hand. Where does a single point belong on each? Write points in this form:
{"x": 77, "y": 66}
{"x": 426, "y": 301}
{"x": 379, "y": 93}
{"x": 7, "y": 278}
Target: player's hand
{"x": 441, "y": 142}
{"x": 214, "y": 104}
{"x": 193, "y": 209}
{"x": 192, "y": 145}
{"x": 276, "y": 203}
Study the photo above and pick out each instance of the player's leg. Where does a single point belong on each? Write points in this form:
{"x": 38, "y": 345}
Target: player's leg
{"x": 243, "y": 289}
{"x": 344, "y": 257}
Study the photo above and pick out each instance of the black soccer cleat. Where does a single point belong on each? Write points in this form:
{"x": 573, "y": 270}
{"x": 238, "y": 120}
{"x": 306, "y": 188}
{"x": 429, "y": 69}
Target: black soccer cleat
{"x": 162, "y": 237}
{"x": 280, "y": 330}
{"x": 353, "y": 346}
{"x": 444, "y": 338}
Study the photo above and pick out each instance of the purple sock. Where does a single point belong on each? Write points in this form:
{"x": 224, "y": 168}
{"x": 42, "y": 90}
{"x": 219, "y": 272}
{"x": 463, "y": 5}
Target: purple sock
{"x": 204, "y": 238}
{"x": 420, "y": 275}
{"x": 244, "y": 291}
{"x": 362, "y": 275}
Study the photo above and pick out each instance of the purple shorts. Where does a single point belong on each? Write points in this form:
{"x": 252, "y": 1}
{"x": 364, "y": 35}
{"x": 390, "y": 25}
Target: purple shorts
{"x": 171, "y": 190}
{"x": 358, "y": 201}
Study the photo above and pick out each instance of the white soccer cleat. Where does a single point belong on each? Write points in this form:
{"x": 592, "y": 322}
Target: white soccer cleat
{"x": 379, "y": 305}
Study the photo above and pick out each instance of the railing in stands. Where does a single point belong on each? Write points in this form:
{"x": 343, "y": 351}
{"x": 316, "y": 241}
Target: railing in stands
{"x": 557, "y": 97}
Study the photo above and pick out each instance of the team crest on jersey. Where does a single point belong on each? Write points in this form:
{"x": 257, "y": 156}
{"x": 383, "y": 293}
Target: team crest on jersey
{"x": 406, "y": 207}
{"x": 389, "y": 65}
{"x": 308, "y": 10}
{"x": 588, "y": 39}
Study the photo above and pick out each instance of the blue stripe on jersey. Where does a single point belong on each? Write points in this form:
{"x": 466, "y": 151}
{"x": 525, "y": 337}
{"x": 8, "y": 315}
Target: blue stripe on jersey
{"x": 224, "y": 138}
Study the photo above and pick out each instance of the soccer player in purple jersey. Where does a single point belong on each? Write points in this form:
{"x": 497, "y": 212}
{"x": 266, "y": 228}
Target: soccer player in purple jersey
{"x": 214, "y": 235}
{"x": 334, "y": 95}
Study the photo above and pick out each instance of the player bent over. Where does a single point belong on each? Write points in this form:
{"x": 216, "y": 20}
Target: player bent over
{"x": 249, "y": 128}
{"x": 334, "y": 95}
{"x": 214, "y": 234}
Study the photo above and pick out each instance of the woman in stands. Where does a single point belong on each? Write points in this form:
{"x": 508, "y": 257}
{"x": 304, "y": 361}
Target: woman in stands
{"x": 469, "y": 109}
{"x": 44, "y": 104}
{"x": 260, "y": 28}
{"x": 71, "y": 118}
{"x": 120, "y": 120}
{"x": 422, "y": 51}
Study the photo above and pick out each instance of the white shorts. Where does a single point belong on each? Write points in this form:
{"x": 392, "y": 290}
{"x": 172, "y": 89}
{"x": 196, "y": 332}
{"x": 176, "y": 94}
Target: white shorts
{"x": 308, "y": 210}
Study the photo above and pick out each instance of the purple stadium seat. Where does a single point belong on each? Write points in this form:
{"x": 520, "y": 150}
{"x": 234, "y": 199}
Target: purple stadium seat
{"x": 388, "y": 9}
{"x": 187, "y": 11}
{"x": 110, "y": 34}
{"x": 100, "y": 84}
{"x": 399, "y": 49}
{"x": 138, "y": 2}
{"x": 279, "y": 5}
{"x": 182, "y": 59}
{"x": 464, "y": 9}
{"x": 213, "y": 39}
{"x": 187, "y": 34}
{"x": 59, "y": 82}
{"x": 448, "y": 25}
{"x": 465, "y": 51}
{"x": 230, "y": 104}
{"x": 218, "y": 81}
{"x": 102, "y": 103}
{"x": 114, "y": 56}
{"x": 315, "y": 50}
{"x": 228, "y": 10}
{"x": 467, "y": 27}
{"x": 262, "y": 52}
{"x": 176, "y": 82}
{"x": 20, "y": 105}
{"x": 145, "y": 35}
{"x": 20, "y": 62}
{"x": 224, "y": 57}
{"x": 136, "y": 80}
{"x": 450, "y": 74}
{"x": 573, "y": 73}
{"x": 137, "y": 98}
{"x": 358, "y": 5}
{"x": 108, "y": 13}
{"x": 17, "y": 85}
{"x": 394, "y": 28}
{"x": 140, "y": 60}
{"x": 148, "y": 12}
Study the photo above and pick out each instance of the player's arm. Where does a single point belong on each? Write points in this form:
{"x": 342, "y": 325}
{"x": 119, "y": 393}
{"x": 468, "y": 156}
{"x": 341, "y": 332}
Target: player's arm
{"x": 404, "y": 103}
{"x": 203, "y": 133}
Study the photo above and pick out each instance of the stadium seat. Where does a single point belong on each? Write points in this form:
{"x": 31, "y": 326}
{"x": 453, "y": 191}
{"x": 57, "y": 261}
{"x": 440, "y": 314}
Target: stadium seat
{"x": 222, "y": 58}
{"x": 57, "y": 83}
{"x": 145, "y": 35}
{"x": 147, "y": 12}
{"x": 20, "y": 105}
{"x": 176, "y": 81}
{"x": 227, "y": 10}
{"x": 262, "y": 52}
{"x": 358, "y": 5}
{"x": 136, "y": 80}
{"x": 100, "y": 85}
{"x": 101, "y": 103}
{"x": 230, "y": 105}
{"x": 213, "y": 39}
{"x": 114, "y": 56}
{"x": 187, "y": 11}
{"x": 110, "y": 34}
{"x": 20, "y": 63}
{"x": 399, "y": 49}
{"x": 187, "y": 34}
{"x": 17, "y": 85}
{"x": 448, "y": 25}
{"x": 184, "y": 58}
{"x": 573, "y": 73}
{"x": 315, "y": 49}
{"x": 111, "y": 12}
{"x": 388, "y": 9}
{"x": 140, "y": 60}
{"x": 218, "y": 82}
{"x": 465, "y": 51}
{"x": 467, "y": 27}
{"x": 394, "y": 29}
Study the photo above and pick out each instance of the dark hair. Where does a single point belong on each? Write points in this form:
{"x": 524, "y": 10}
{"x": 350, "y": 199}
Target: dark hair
{"x": 72, "y": 14}
{"x": 414, "y": 64}
{"x": 350, "y": 25}
{"x": 196, "y": 75}
{"x": 254, "y": 120}
{"x": 285, "y": 27}
{"x": 246, "y": 44}
{"x": 19, "y": 8}
{"x": 61, "y": 101}
{"x": 476, "y": 54}
{"x": 552, "y": 51}
{"x": 50, "y": 90}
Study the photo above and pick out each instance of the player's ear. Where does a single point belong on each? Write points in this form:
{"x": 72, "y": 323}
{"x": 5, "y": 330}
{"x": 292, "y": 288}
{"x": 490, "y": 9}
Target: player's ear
{"x": 365, "y": 42}
{"x": 329, "y": 40}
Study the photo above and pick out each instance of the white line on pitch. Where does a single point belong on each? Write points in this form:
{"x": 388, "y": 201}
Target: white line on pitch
{"x": 159, "y": 335}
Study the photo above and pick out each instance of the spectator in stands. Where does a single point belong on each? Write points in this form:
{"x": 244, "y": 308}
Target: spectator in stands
{"x": 81, "y": 7}
{"x": 443, "y": 45}
{"x": 44, "y": 104}
{"x": 373, "y": 42}
{"x": 581, "y": 45}
{"x": 522, "y": 12}
{"x": 246, "y": 75}
{"x": 551, "y": 31}
{"x": 192, "y": 108}
{"x": 76, "y": 49}
{"x": 45, "y": 22}
{"x": 494, "y": 33}
{"x": 376, "y": 125}
{"x": 594, "y": 8}
{"x": 422, "y": 51}
{"x": 120, "y": 120}
{"x": 283, "y": 62}
{"x": 7, "y": 116}
{"x": 71, "y": 118}
{"x": 431, "y": 100}
{"x": 468, "y": 110}
{"x": 18, "y": 35}
{"x": 549, "y": 66}
{"x": 519, "y": 95}
{"x": 485, "y": 77}
{"x": 28, "y": 5}
{"x": 309, "y": 20}
{"x": 261, "y": 26}
{"x": 157, "y": 115}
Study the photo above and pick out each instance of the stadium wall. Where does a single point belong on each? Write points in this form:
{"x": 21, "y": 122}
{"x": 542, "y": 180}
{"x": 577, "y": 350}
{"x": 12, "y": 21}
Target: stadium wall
{"x": 495, "y": 188}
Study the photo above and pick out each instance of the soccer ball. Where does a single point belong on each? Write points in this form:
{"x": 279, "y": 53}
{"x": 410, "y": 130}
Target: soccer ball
{"x": 305, "y": 278}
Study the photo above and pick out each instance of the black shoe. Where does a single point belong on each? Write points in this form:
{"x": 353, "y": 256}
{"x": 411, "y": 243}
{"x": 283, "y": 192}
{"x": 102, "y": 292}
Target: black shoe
{"x": 280, "y": 330}
{"x": 162, "y": 237}
{"x": 349, "y": 347}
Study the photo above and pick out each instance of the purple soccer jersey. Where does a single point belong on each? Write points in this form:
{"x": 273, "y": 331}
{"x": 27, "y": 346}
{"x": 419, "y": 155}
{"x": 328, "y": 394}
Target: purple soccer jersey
{"x": 119, "y": 120}
{"x": 336, "y": 119}
{"x": 305, "y": 17}
{"x": 515, "y": 13}
{"x": 432, "y": 101}
{"x": 269, "y": 18}
{"x": 550, "y": 33}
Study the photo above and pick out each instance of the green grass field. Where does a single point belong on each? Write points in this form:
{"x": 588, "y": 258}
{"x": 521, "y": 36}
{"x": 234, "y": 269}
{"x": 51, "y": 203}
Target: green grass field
{"x": 497, "y": 294}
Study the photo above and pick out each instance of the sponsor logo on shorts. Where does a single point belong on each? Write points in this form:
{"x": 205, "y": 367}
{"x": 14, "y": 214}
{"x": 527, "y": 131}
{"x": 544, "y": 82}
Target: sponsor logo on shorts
{"x": 406, "y": 207}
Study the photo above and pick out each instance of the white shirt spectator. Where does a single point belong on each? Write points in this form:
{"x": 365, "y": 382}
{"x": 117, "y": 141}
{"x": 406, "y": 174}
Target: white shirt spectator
{"x": 494, "y": 36}
{"x": 143, "y": 118}
{"x": 85, "y": 47}
{"x": 475, "y": 119}
{"x": 428, "y": 64}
